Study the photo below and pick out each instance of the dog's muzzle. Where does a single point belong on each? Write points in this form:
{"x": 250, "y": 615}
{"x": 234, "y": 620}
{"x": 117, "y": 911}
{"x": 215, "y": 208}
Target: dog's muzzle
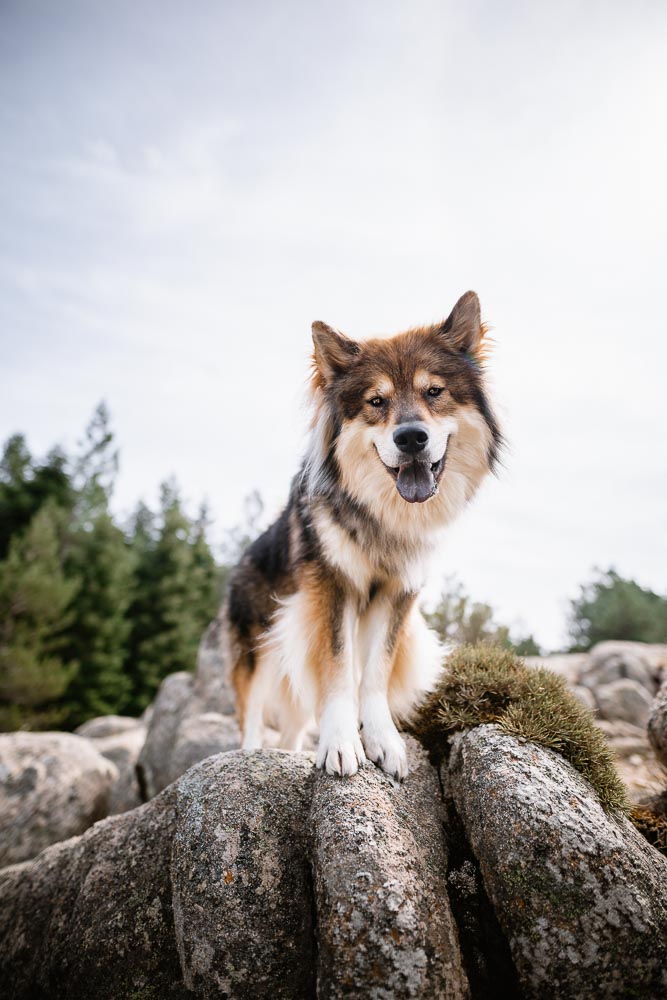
{"x": 416, "y": 476}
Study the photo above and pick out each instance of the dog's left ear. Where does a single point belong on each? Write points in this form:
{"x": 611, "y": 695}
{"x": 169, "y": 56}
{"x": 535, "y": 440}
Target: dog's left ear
{"x": 334, "y": 352}
{"x": 463, "y": 327}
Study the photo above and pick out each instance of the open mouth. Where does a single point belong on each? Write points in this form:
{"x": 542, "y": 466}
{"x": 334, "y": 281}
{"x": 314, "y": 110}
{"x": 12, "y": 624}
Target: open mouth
{"x": 417, "y": 480}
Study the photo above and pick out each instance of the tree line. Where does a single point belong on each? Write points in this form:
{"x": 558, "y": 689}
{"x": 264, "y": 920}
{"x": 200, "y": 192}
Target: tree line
{"x": 95, "y": 613}
{"x": 608, "y": 606}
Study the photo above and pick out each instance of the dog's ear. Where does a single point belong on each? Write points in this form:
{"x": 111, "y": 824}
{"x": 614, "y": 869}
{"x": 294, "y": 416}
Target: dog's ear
{"x": 334, "y": 352}
{"x": 463, "y": 328}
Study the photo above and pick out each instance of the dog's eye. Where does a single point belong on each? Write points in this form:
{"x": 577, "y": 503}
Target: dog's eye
{"x": 376, "y": 401}
{"x": 435, "y": 390}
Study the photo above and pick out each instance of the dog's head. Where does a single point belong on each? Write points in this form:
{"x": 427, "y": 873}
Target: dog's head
{"x": 403, "y": 418}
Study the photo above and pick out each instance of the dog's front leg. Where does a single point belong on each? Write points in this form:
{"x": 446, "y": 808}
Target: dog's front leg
{"x": 340, "y": 750}
{"x": 379, "y": 633}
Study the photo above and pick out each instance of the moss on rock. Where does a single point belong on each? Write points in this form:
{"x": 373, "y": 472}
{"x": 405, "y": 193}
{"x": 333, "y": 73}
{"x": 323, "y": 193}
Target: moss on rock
{"x": 487, "y": 684}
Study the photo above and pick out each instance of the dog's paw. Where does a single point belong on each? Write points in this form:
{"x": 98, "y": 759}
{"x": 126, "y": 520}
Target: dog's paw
{"x": 340, "y": 749}
{"x": 341, "y": 755}
{"x": 385, "y": 747}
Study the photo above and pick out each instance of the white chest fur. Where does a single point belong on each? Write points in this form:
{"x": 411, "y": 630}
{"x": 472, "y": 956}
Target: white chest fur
{"x": 406, "y": 564}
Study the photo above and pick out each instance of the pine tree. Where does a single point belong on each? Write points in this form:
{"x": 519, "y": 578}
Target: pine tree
{"x": 175, "y": 594}
{"x": 207, "y": 583}
{"x": 34, "y": 597}
{"x": 98, "y": 631}
{"x": 95, "y": 467}
{"x": 26, "y": 485}
{"x": 98, "y": 556}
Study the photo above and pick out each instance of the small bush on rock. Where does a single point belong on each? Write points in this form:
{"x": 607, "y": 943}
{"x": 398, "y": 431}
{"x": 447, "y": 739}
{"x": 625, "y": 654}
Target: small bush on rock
{"x": 488, "y": 684}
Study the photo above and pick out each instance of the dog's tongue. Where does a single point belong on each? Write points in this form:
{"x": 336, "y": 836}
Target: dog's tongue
{"x": 416, "y": 482}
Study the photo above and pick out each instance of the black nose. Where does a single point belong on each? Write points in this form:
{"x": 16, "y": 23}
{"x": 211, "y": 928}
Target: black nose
{"x": 411, "y": 438}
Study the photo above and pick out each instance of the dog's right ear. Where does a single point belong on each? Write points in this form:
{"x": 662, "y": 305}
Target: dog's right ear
{"x": 334, "y": 352}
{"x": 463, "y": 328}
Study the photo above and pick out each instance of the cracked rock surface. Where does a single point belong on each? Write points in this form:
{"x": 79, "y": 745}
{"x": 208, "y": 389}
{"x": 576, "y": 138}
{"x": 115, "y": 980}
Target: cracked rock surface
{"x": 384, "y": 924}
{"x": 579, "y": 894}
{"x": 255, "y": 875}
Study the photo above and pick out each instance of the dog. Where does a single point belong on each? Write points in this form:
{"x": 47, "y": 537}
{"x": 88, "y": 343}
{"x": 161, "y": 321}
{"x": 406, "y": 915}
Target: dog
{"x": 321, "y": 615}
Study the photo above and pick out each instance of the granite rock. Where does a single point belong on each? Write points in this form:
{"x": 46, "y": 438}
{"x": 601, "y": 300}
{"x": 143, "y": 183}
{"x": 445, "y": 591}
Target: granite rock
{"x": 52, "y": 786}
{"x": 578, "y": 892}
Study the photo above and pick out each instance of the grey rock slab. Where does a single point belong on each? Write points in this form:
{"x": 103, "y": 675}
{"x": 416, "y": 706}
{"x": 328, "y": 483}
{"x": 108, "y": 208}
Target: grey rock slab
{"x": 212, "y": 680}
{"x": 657, "y": 725}
{"x": 92, "y": 917}
{"x": 242, "y": 884}
{"x": 625, "y": 700}
{"x": 585, "y": 696}
{"x": 616, "y": 659}
{"x": 123, "y": 749}
{"x": 385, "y": 927}
{"x": 199, "y": 737}
{"x": 181, "y": 726}
{"x": 169, "y": 705}
{"x": 52, "y": 786}
{"x": 579, "y": 893}
{"x": 107, "y": 725}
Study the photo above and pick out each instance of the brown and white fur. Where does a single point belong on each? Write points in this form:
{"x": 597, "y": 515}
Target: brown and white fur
{"x": 322, "y": 616}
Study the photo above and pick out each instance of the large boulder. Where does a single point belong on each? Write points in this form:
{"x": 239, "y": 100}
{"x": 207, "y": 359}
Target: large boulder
{"x": 52, "y": 786}
{"x": 657, "y": 725}
{"x": 107, "y": 725}
{"x": 385, "y": 928}
{"x": 624, "y": 699}
{"x": 199, "y": 737}
{"x": 253, "y": 876}
{"x": 624, "y": 738}
{"x": 119, "y": 738}
{"x": 93, "y": 916}
{"x": 212, "y": 683}
{"x": 584, "y": 696}
{"x": 192, "y": 717}
{"x": 241, "y": 876}
{"x": 579, "y": 894}
{"x": 616, "y": 660}
{"x": 168, "y": 709}
{"x": 123, "y": 749}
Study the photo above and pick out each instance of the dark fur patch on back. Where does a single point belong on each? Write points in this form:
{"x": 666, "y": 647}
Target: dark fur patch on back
{"x": 270, "y": 552}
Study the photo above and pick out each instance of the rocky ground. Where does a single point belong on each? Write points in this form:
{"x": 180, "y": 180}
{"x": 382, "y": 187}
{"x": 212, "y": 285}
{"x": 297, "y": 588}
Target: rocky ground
{"x": 254, "y": 875}
{"x": 618, "y": 681}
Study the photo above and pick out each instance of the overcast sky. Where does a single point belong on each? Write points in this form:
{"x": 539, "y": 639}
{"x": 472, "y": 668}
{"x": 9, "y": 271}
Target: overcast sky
{"x": 185, "y": 186}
